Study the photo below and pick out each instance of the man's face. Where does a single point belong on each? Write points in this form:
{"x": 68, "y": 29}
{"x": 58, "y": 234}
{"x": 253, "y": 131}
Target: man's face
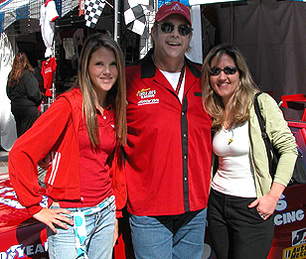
{"x": 171, "y": 44}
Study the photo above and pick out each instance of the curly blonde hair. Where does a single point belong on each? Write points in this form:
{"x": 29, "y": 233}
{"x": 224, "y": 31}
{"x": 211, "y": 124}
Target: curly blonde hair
{"x": 239, "y": 109}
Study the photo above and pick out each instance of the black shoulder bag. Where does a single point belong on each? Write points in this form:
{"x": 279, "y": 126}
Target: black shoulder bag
{"x": 299, "y": 172}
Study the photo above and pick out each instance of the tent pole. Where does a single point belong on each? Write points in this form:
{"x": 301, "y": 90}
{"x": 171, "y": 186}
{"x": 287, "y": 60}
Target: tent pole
{"x": 116, "y": 20}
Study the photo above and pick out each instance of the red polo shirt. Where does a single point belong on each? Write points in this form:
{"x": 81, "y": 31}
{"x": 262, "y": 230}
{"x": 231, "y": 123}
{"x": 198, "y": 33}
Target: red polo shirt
{"x": 95, "y": 181}
{"x": 169, "y": 143}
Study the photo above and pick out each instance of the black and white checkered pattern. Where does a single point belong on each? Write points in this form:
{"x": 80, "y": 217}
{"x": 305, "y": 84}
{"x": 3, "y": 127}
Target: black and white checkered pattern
{"x": 93, "y": 10}
{"x": 135, "y": 14}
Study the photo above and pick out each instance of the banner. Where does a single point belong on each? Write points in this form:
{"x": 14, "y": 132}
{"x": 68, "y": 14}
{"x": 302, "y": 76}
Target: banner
{"x": 13, "y": 10}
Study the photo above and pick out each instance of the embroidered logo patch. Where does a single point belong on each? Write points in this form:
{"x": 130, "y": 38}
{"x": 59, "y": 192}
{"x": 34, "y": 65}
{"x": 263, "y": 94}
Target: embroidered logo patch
{"x": 147, "y": 96}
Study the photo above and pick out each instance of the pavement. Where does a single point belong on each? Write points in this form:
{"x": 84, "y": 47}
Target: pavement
{"x": 3, "y": 161}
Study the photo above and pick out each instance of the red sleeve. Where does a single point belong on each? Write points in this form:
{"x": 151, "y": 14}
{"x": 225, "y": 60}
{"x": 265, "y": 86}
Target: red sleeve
{"x": 31, "y": 148}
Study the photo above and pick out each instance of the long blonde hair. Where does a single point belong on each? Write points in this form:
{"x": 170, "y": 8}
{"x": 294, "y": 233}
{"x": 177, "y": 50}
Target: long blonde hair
{"x": 20, "y": 64}
{"x": 239, "y": 109}
{"x": 116, "y": 97}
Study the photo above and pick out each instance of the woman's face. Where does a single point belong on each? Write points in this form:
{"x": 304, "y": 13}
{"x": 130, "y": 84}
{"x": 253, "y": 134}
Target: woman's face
{"x": 103, "y": 70}
{"x": 226, "y": 82}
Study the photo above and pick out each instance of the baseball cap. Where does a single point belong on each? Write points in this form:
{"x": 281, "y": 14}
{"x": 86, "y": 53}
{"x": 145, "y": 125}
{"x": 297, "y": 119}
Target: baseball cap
{"x": 172, "y": 8}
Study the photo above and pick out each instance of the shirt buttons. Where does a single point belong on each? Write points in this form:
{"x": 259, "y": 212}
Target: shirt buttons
{"x": 183, "y": 113}
{"x": 185, "y": 135}
{"x": 104, "y": 117}
{"x": 185, "y": 178}
{"x": 185, "y": 157}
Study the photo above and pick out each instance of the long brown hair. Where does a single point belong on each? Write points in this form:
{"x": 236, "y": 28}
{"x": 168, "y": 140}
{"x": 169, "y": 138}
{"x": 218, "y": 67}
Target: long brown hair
{"x": 239, "y": 110}
{"x": 21, "y": 62}
{"x": 116, "y": 97}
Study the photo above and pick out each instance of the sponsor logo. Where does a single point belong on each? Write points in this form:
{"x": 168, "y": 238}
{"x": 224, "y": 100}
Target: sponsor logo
{"x": 294, "y": 252}
{"x": 299, "y": 237}
{"x": 147, "y": 96}
{"x": 19, "y": 251}
{"x": 176, "y": 7}
{"x": 8, "y": 197}
{"x": 288, "y": 216}
{"x": 48, "y": 70}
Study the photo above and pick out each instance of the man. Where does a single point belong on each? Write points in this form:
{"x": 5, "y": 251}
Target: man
{"x": 169, "y": 144}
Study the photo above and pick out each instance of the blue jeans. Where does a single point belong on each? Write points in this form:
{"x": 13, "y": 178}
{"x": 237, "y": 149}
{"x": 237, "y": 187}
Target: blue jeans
{"x": 62, "y": 245}
{"x": 178, "y": 236}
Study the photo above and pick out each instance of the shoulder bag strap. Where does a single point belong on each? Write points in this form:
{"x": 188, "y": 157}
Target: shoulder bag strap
{"x": 264, "y": 134}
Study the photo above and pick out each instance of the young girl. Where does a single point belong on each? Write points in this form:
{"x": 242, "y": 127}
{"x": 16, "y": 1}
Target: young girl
{"x": 80, "y": 133}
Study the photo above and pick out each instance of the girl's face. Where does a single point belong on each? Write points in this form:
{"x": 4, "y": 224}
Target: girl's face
{"x": 224, "y": 83}
{"x": 103, "y": 70}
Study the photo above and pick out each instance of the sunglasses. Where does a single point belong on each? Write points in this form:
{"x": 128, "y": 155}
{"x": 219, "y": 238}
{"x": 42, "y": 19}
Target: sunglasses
{"x": 214, "y": 71}
{"x": 168, "y": 27}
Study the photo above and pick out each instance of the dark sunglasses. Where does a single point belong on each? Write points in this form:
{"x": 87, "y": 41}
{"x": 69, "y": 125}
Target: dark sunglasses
{"x": 168, "y": 27}
{"x": 214, "y": 71}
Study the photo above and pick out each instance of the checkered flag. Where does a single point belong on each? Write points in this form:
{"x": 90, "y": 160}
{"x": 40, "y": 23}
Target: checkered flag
{"x": 93, "y": 10}
{"x": 135, "y": 14}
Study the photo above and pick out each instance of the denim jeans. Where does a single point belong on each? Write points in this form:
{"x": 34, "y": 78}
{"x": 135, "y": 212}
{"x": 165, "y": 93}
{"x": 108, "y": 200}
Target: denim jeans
{"x": 236, "y": 231}
{"x": 62, "y": 245}
{"x": 178, "y": 236}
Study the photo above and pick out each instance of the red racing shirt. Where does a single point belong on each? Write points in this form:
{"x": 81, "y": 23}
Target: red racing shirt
{"x": 168, "y": 152}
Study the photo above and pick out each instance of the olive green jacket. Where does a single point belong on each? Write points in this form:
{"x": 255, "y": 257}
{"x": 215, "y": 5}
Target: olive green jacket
{"x": 280, "y": 136}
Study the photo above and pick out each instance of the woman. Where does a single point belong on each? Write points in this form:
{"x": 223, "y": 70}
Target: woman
{"x": 243, "y": 196}
{"x": 78, "y": 133}
{"x": 23, "y": 91}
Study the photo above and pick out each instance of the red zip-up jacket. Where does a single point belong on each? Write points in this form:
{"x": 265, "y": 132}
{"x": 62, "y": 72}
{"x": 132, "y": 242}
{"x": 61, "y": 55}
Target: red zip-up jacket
{"x": 56, "y": 132}
{"x": 168, "y": 152}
